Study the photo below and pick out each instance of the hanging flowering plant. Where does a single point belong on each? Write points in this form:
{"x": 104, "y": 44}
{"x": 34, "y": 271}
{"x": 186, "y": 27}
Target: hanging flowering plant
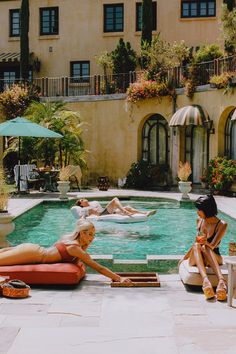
{"x": 147, "y": 89}
{"x": 221, "y": 173}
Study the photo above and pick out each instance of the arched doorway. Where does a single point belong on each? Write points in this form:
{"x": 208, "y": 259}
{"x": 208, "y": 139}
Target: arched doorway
{"x": 230, "y": 136}
{"x": 197, "y": 150}
{"x": 155, "y": 140}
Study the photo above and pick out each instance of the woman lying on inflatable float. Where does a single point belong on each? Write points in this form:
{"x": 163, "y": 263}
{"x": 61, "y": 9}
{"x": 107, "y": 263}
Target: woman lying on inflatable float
{"x": 70, "y": 248}
{"x": 113, "y": 211}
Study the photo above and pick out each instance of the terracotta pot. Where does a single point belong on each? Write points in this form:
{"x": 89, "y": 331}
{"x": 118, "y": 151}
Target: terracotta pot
{"x": 103, "y": 183}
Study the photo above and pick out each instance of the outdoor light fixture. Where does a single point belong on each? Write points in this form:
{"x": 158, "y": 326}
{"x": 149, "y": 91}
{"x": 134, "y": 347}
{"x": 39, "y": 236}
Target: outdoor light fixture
{"x": 209, "y": 126}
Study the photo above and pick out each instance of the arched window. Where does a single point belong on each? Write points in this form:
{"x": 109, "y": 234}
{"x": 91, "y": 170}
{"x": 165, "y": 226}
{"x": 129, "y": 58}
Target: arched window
{"x": 155, "y": 140}
{"x": 230, "y": 137}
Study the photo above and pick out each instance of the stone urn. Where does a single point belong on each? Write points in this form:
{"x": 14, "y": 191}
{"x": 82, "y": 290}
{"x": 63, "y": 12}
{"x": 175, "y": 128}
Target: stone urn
{"x": 185, "y": 187}
{"x": 6, "y": 227}
{"x": 63, "y": 187}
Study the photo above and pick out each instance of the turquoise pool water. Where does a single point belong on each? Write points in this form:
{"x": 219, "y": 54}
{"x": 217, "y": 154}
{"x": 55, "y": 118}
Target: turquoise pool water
{"x": 171, "y": 231}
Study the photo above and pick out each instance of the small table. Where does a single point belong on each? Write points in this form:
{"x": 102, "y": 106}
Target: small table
{"x": 50, "y": 178}
{"x": 231, "y": 263}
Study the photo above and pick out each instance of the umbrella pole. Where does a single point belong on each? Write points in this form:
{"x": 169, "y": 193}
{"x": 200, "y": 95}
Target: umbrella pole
{"x": 18, "y": 179}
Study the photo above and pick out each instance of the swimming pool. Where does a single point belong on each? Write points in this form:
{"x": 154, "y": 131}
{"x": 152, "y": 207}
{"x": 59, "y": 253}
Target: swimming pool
{"x": 170, "y": 232}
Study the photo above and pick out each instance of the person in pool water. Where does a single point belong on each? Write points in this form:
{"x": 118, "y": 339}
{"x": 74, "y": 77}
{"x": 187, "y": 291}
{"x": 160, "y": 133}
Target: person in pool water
{"x": 205, "y": 250}
{"x": 70, "y": 248}
{"x": 113, "y": 207}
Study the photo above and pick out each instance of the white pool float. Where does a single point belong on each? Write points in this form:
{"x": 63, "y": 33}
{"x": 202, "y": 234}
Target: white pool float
{"x": 76, "y": 211}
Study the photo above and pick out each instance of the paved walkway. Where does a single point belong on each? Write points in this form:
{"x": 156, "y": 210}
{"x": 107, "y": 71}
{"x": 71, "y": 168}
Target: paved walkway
{"x": 95, "y": 318}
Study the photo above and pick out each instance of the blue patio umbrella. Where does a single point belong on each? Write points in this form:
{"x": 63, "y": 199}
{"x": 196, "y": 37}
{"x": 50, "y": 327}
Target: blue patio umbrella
{"x": 20, "y": 126}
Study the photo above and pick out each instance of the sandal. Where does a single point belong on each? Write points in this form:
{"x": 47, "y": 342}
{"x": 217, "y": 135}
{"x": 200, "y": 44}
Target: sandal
{"x": 208, "y": 290}
{"x": 221, "y": 290}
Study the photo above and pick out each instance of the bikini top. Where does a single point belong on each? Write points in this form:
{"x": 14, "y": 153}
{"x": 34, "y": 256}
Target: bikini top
{"x": 65, "y": 256}
{"x": 210, "y": 239}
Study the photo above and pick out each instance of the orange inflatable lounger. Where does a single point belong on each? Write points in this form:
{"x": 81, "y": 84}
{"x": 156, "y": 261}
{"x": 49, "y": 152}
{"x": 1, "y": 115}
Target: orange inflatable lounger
{"x": 54, "y": 273}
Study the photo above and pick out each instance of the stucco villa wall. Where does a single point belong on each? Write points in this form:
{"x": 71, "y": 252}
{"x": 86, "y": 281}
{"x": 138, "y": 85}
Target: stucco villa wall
{"x": 112, "y": 133}
{"x": 81, "y": 35}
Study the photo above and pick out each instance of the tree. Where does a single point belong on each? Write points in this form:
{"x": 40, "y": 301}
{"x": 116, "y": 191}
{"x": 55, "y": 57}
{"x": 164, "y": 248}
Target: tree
{"x": 24, "y": 40}
{"x": 230, "y": 4}
{"x": 146, "y": 21}
{"x": 55, "y": 116}
{"x": 207, "y": 52}
{"x": 15, "y": 100}
{"x": 161, "y": 56}
{"x": 105, "y": 61}
{"x": 228, "y": 19}
{"x": 124, "y": 60}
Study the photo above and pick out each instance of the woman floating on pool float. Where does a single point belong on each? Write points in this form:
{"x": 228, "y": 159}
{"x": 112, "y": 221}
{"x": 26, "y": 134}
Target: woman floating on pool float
{"x": 205, "y": 251}
{"x": 70, "y": 248}
{"x": 88, "y": 208}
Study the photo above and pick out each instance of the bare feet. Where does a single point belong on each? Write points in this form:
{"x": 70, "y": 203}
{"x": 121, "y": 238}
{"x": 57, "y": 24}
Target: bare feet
{"x": 152, "y": 212}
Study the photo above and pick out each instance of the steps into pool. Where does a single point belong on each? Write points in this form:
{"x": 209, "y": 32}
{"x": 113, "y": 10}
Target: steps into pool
{"x": 152, "y": 263}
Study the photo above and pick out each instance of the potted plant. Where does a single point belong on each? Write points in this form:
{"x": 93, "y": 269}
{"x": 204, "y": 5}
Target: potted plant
{"x": 63, "y": 184}
{"x": 185, "y": 186}
{"x": 6, "y": 224}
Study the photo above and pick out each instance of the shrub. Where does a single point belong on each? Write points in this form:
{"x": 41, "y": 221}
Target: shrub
{"x": 189, "y": 88}
{"x": 139, "y": 175}
{"x": 223, "y": 80}
{"x": 221, "y": 173}
{"x": 15, "y": 100}
{"x": 143, "y": 175}
{"x": 208, "y": 53}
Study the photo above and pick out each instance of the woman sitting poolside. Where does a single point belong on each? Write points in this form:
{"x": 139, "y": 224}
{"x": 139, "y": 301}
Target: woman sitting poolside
{"x": 70, "y": 248}
{"x": 205, "y": 251}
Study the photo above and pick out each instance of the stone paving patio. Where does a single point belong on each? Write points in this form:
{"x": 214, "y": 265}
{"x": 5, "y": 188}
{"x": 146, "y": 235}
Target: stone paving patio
{"x": 95, "y": 318}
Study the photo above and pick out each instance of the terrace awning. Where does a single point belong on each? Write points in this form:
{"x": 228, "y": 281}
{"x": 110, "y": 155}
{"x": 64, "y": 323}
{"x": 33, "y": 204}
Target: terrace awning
{"x": 9, "y": 57}
{"x": 189, "y": 115}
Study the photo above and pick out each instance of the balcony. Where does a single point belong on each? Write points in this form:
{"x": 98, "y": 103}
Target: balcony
{"x": 113, "y": 84}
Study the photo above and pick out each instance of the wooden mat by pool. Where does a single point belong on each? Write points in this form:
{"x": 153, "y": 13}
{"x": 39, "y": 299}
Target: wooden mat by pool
{"x": 145, "y": 279}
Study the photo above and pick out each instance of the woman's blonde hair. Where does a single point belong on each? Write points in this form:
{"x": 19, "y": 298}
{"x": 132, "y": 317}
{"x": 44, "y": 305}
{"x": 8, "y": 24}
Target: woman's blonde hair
{"x": 81, "y": 225}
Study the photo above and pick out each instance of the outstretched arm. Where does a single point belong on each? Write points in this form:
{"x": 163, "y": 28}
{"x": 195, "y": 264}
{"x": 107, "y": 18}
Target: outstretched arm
{"x": 85, "y": 257}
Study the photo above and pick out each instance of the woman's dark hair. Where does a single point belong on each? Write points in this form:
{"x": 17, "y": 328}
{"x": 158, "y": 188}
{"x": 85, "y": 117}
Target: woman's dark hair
{"x": 207, "y": 204}
{"x": 78, "y": 203}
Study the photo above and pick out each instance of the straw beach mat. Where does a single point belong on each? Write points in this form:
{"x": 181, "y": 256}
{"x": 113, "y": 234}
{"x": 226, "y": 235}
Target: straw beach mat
{"x": 145, "y": 279}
